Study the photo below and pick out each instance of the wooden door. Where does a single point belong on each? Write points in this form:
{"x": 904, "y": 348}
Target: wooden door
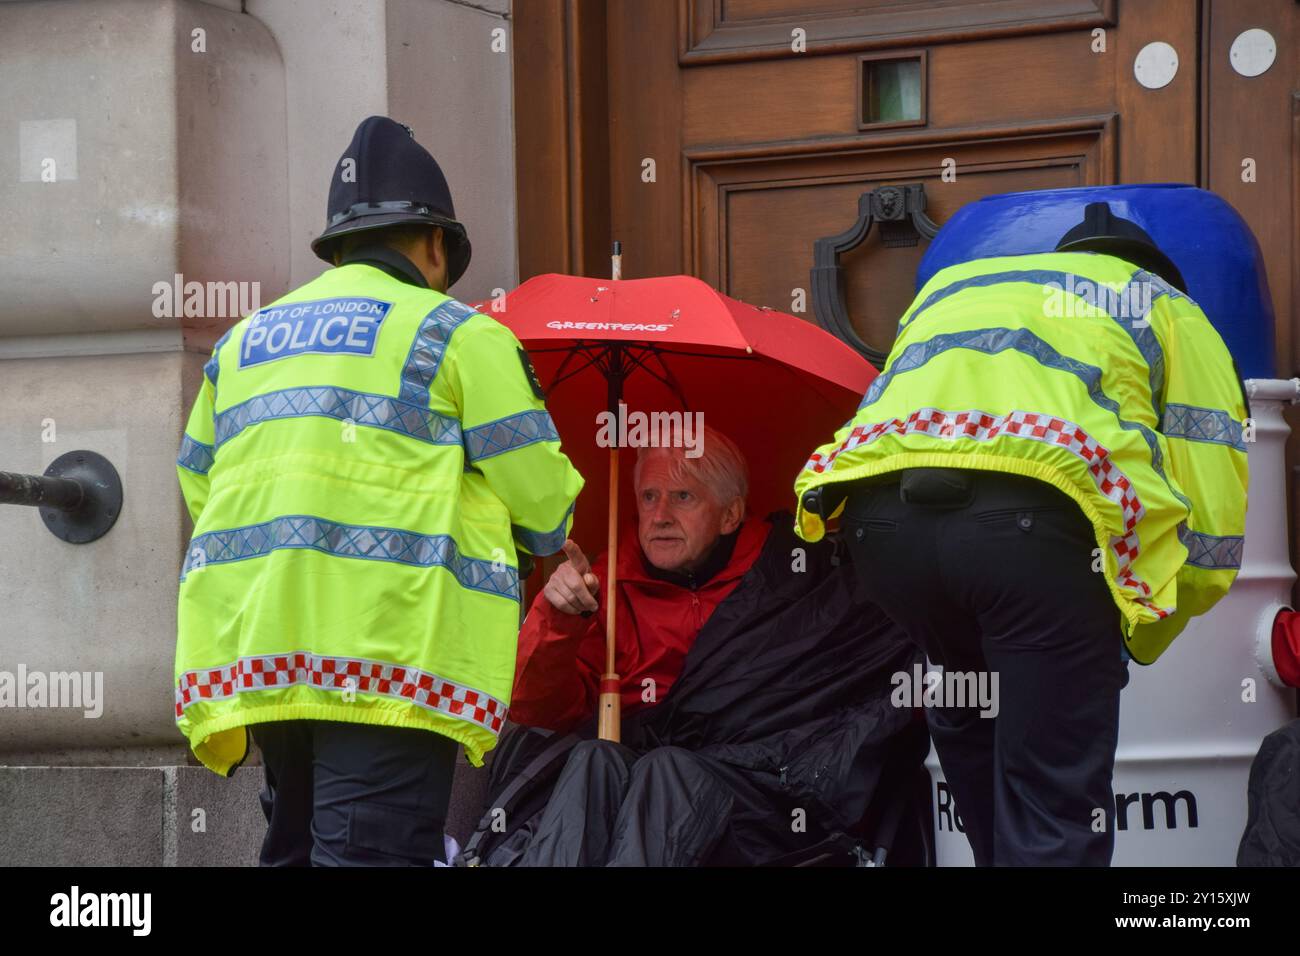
{"x": 722, "y": 138}
{"x": 754, "y": 115}
{"x": 760, "y": 146}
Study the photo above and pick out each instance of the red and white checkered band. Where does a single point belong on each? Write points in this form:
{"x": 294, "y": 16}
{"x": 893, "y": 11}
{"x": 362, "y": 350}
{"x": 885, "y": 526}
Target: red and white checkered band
{"x": 248, "y": 675}
{"x": 1035, "y": 426}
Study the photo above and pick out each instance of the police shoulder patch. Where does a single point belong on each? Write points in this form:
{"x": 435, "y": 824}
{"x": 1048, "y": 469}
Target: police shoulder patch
{"x": 530, "y": 373}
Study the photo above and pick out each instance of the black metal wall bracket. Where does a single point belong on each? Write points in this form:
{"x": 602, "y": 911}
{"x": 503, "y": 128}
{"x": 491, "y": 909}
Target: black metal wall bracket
{"x": 79, "y": 496}
{"x": 900, "y": 211}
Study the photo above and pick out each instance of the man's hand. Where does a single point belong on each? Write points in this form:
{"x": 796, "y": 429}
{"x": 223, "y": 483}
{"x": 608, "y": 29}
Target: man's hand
{"x": 572, "y": 588}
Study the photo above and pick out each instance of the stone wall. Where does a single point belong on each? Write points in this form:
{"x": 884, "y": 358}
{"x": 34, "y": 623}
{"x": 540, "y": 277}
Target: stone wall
{"x": 150, "y": 140}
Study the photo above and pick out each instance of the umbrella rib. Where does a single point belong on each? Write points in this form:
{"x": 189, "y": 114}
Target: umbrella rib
{"x": 636, "y": 354}
{"x": 667, "y": 377}
{"x": 560, "y": 376}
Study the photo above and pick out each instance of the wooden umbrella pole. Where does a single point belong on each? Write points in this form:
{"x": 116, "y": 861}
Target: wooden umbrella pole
{"x": 609, "y": 722}
{"x": 609, "y": 725}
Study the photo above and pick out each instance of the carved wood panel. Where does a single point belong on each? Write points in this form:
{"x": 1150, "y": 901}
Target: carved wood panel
{"x": 752, "y": 214}
{"x": 712, "y": 31}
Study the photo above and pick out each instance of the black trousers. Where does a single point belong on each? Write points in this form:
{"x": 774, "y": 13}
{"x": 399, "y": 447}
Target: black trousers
{"x": 343, "y": 794}
{"x": 995, "y": 575}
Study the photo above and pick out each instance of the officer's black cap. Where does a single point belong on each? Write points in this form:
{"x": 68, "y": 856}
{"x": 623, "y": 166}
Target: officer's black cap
{"x": 383, "y": 178}
{"x": 1103, "y": 231}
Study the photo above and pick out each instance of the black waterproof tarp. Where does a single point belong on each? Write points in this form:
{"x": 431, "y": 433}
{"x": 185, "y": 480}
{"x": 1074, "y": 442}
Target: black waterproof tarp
{"x": 1272, "y": 836}
{"x": 778, "y": 735}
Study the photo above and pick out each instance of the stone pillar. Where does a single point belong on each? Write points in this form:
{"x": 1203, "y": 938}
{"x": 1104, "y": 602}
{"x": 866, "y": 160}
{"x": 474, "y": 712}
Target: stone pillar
{"x": 172, "y": 164}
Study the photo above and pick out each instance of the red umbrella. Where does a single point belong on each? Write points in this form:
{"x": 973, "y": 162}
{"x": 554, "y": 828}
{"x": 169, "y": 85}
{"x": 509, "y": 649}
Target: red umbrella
{"x": 775, "y": 384}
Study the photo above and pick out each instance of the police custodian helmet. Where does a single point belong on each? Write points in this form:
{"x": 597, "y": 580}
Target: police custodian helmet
{"x": 384, "y": 178}
{"x": 1103, "y": 231}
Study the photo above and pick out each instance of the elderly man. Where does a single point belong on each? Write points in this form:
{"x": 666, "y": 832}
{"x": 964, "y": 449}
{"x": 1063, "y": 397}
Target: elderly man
{"x": 755, "y": 685}
{"x": 686, "y": 558}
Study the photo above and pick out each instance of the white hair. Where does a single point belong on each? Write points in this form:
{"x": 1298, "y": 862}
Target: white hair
{"x": 721, "y": 466}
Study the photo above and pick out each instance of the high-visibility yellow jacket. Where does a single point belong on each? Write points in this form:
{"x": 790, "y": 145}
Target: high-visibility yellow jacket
{"x": 1083, "y": 371}
{"x": 361, "y": 463}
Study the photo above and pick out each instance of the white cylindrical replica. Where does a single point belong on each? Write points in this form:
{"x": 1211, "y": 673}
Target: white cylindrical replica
{"x": 1191, "y": 723}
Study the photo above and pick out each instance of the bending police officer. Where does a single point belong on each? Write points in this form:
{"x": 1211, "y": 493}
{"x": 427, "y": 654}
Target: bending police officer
{"x": 1043, "y": 492}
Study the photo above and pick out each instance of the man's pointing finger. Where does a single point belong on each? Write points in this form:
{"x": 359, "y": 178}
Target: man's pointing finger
{"x": 576, "y": 557}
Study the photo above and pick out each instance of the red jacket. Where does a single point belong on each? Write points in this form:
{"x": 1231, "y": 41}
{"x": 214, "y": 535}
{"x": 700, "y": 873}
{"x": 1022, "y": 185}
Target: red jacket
{"x": 561, "y": 656}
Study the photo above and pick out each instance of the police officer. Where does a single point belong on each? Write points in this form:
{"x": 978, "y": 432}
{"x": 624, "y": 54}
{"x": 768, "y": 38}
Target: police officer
{"x": 1047, "y": 478}
{"x": 366, "y": 465}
